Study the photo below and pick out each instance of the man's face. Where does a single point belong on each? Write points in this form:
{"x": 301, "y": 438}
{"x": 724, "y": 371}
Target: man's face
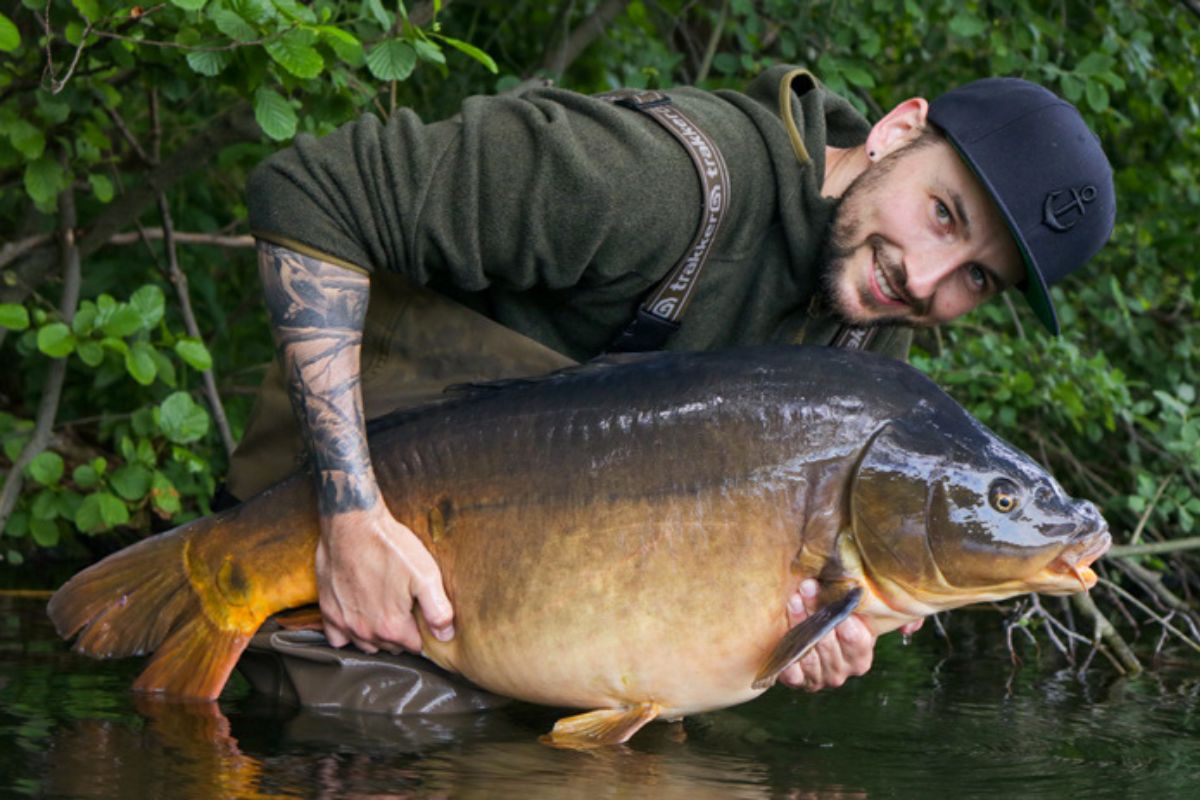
{"x": 916, "y": 240}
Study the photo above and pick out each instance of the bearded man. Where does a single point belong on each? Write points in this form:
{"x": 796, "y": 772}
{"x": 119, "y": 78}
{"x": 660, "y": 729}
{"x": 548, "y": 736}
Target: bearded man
{"x": 531, "y": 232}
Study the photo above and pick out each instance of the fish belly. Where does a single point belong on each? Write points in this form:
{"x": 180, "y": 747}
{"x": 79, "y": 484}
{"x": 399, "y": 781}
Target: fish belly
{"x": 600, "y": 603}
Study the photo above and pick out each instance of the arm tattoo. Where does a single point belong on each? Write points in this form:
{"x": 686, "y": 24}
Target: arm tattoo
{"x": 316, "y": 311}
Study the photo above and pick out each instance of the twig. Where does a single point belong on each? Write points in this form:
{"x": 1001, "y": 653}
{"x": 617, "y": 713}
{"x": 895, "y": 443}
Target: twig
{"x": 128, "y": 136}
{"x": 52, "y": 388}
{"x": 11, "y": 251}
{"x": 179, "y": 280}
{"x": 1150, "y": 612}
{"x": 1012, "y": 310}
{"x": 1154, "y": 548}
{"x": 1105, "y": 632}
{"x": 183, "y": 237}
{"x": 587, "y": 32}
{"x": 52, "y": 82}
{"x": 713, "y": 40}
{"x": 1141, "y": 526}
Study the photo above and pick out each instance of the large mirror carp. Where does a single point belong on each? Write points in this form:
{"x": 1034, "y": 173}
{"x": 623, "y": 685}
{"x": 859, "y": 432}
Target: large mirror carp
{"x": 623, "y": 537}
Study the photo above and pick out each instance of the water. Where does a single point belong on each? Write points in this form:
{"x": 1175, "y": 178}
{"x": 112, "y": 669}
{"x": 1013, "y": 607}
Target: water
{"x": 925, "y": 723}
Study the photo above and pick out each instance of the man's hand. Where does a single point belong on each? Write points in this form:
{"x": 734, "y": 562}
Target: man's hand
{"x": 370, "y": 569}
{"x": 841, "y": 655}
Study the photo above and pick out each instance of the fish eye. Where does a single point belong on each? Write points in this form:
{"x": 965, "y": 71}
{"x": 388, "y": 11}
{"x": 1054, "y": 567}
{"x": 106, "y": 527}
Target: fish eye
{"x": 1003, "y": 495}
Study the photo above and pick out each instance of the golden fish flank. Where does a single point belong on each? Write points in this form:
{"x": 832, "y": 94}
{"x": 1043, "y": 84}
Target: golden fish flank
{"x": 623, "y": 537}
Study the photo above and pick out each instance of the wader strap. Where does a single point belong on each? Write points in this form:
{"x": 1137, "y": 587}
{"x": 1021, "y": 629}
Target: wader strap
{"x": 854, "y": 337}
{"x": 659, "y": 314}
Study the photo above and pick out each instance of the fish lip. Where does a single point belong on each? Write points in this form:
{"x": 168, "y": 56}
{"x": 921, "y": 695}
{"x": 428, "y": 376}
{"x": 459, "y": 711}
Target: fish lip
{"x": 1083, "y": 551}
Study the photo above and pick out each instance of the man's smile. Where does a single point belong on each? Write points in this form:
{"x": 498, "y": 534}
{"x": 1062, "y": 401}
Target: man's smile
{"x": 885, "y": 292}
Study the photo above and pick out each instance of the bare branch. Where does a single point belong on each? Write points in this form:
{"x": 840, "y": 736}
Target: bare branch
{"x": 179, "y": 280}
{"x": 183, "y": 237}
{"x": 1154, "y": 548}
{"x": 584, "y": 34}
{"x": 52, "y": 388}
{"x": 713, "y": 40}
{"x": 1105, "y": 631}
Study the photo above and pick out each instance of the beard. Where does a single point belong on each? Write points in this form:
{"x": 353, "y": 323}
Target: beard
{"x": 844, "y": 237}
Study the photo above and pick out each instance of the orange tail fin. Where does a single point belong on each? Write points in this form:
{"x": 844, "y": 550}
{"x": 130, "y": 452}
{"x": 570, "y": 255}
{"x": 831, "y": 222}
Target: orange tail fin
{"x": 193, "y": 596}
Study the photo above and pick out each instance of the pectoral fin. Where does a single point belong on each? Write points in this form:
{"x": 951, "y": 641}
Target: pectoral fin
{"x": 600, "y": 728}
{"x": 800, "y": 639}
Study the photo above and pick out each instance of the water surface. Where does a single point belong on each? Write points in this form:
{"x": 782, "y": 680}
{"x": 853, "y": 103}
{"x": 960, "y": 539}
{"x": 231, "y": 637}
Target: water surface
{"x": 926, "y": 722}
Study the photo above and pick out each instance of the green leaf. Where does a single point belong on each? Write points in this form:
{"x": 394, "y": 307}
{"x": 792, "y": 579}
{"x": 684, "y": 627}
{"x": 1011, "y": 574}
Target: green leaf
{"x": 46, "y": 468}
{"x": 149, "y": 303}
{"x": 858, "y": 76}
{"x": 85, "y": 476}
{"x": 208, "y": 62}
{"x": 90, "y": 353}
{"x": 181, "y": 419}
{"x": 123, "y": 321}
{"x": 27, "y": 138}
{"x": 967, "y": 25}
{"x": 101, "y": 187}
{"x": 44, "y": 179}
{"x": 232, "y": 25}
{"x": 164, "y": 496}
{"x": 90, "y": 9}
{"x": 45, "y": 532}
{"x": 295, "y": 53}
{"x": 56, "y": 340}
{"x": 274, "y": 114}
{"x": 44, "y": 505}
{"x": 257, "y": 12}
{"x": 189, "y": 5}
{"x": 140, "y": 363}
{"x": 346, "y": 45}
{"x": 166, "y": 369}
{"x": 1094, "y": 63}
{"x": 472, "y": 51}
{"x": 14, "y": 316}
{"x": 131, "y": 481}
{"x": 100, "y": 511}
{"x": 18, "y": 525}
{"x": 1097, "y": 96}
{"x": 428, "y": 51}
{"x": 14, "y": 558}
{"x": 392, "y": 60}
{"x": 384, "y": 17}
{"x": 194, "y": 353}
{"x": 10, "y": 37}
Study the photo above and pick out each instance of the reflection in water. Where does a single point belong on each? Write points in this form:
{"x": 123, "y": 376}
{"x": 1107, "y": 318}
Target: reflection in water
{"x": 923, "y": 723}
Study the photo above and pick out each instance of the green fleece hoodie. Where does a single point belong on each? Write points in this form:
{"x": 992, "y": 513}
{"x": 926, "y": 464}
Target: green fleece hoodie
{"x": 555, "y": 213}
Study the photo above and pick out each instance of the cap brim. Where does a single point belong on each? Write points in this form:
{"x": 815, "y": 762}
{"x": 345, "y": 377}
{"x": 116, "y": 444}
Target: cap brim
{"x": 1037, "y": 294}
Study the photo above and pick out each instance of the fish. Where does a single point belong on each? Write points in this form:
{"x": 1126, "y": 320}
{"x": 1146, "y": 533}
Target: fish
{"x": 623, "y": 537}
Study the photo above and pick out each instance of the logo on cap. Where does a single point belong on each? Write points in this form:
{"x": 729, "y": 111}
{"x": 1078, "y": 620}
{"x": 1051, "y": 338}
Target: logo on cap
{"x": 1064, "y": 216}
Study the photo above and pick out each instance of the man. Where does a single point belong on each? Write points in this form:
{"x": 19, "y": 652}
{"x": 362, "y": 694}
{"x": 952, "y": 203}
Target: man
{"x": 555, "y": 214}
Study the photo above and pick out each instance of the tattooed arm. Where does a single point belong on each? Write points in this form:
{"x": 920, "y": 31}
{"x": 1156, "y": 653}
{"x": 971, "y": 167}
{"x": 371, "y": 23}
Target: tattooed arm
{"x": 370, "y": 568}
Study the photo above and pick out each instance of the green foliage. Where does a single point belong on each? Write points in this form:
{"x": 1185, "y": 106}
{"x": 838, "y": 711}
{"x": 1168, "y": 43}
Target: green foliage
{"x": 1110, "y": 406}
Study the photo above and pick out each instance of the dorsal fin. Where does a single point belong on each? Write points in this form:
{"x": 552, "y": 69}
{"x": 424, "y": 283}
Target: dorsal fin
{"x": 457, "y": 393}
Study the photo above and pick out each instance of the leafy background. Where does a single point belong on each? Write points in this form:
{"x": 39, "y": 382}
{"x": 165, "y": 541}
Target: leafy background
{"x": 128, "y": 282}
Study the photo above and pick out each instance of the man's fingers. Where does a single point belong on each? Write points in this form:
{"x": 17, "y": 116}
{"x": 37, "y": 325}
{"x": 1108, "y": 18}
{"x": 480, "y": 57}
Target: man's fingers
{"x": 436, "y": 608}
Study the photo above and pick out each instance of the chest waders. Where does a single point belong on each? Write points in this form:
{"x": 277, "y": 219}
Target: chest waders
{"x": 415, "y": 343}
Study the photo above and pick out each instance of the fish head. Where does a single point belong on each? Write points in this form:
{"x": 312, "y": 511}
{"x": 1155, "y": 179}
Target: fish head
{"x": 945, "y": 513}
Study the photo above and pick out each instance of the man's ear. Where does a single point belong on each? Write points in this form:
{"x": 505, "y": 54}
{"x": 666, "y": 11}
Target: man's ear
{"x": 900, "y": 126}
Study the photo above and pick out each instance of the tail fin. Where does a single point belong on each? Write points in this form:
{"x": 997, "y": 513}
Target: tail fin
{"x": 140, "y": 600}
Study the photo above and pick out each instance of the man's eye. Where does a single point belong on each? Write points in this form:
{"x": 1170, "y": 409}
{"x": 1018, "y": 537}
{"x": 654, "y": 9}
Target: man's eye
{"x": 978, "y": 276}
{"x": 942, "y": 213}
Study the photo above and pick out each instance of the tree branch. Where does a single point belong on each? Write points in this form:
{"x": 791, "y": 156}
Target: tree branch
{"x": 180, "y": 281}
{"x": 52, "y": 388}
{"x": 559, "y": 58}
{"x": 235, "y": 126}
{"x": 183, "y": 237}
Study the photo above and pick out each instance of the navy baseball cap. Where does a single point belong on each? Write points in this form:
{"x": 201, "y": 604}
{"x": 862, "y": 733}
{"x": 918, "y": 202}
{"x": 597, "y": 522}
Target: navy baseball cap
{"x": 1044, "y": 169}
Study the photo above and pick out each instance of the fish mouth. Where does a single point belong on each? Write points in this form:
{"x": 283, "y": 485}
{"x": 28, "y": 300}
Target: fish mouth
{"x": 1076, "y": 560}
